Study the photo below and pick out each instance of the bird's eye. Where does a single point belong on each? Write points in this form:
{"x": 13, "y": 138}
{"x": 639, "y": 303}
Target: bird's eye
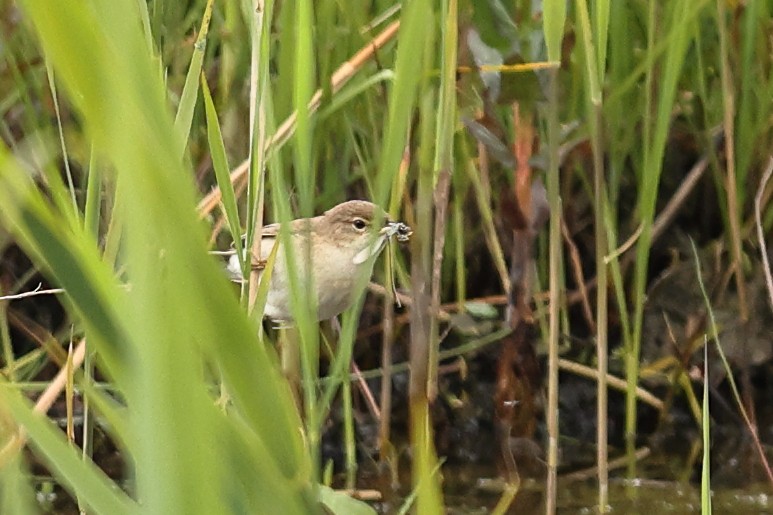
{"x": 359, "y": 224}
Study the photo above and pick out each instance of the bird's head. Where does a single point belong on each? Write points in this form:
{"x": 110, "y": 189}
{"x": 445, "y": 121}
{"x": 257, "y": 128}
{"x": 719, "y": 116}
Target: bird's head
{"x": 361, "y": 226}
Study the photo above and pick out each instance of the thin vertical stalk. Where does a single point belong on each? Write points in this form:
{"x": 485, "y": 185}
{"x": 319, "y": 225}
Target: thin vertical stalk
{"x": 631, "y": 354}
{"x": 554, "y": 20}
{"x": 602, "y": 319}
{"x": 260, "y": 13}
{"x": 706, "y": 433}
{"x": 350, "y": 454}
{"x": 65, "y": 200}
{"x": 386, "y": 450}
{"x": 303, "y": 73}
{"x": 554, "y": 267}
{"x": 416, "y": 16}
{"x": 443, "y": 170}
{"x": 9, "y": 361}
{"x": 594, "y": 78}
{"x": 731, "y": 182}
{"x": 304, "y": 88}
{"x": 421, "y": 325}
{"x": 60, "y": 131}
{"x": 386, "y": 379}
{"x": 91, "y": 221}
{"x": 460, "y": 262}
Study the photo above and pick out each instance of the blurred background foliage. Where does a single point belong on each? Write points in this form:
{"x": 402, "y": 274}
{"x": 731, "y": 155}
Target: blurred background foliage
{"x": 651, "y": 121}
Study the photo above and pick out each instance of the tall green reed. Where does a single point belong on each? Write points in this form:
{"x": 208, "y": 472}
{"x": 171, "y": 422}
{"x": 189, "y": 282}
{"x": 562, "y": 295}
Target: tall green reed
{"x": 594, "y": 39}
{"x": 554, "y": 20}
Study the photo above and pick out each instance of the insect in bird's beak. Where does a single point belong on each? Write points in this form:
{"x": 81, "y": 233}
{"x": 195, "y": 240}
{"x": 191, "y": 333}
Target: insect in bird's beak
{"x": 402, "y": 233}
{"x": 399, "y": 230}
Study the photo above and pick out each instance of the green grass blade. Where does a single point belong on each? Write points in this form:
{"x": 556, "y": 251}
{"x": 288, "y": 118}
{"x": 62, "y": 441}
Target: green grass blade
{"x": 184, "y": 118}
{"x": 16, "y": 493}
{"x": 601, "y": 34}
{"x": 553, "y": 18}
{"x": 350, "y": 92}
{"x": 304, "y": 88}
{"x": 91, "y": 211}
{"x": 220, "y": 164}
{"x": 180, "y": 305}
{"x": 706, "y": 433}
{"x": 92, "y": 485}
{"x": 408, "y": 73}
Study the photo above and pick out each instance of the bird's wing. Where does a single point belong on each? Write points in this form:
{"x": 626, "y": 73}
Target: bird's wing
{"x": 296, "y": 226}
{"x": 270, "y": 230}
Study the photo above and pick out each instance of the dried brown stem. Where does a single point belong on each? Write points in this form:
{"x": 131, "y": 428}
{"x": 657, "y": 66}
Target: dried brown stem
{"x": 370, "y": 400}
{"x": 615, "y": 382}
{"x": 579, "y": 276}
{"x": 441, "y": 204}
{"x": 46, "y": 400}
{"x": 388, "y": 339}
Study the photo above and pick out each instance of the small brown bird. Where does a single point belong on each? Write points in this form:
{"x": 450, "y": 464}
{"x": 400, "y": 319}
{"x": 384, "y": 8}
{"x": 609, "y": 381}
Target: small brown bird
{"x": 344, "y": 243}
